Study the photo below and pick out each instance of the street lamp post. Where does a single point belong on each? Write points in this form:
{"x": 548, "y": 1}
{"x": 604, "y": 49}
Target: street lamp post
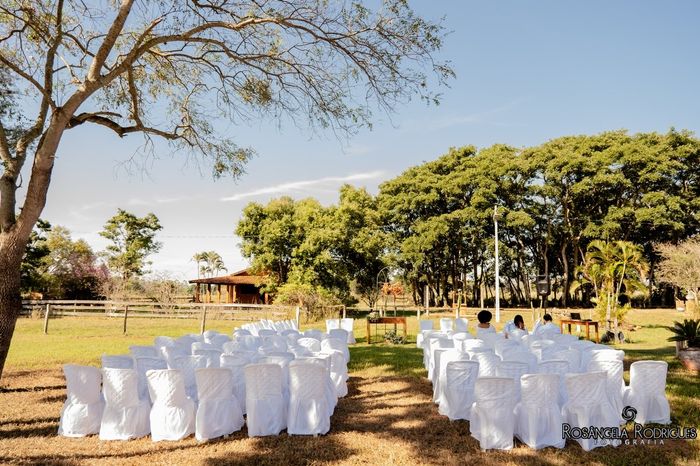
{"x": 498, "y": 287}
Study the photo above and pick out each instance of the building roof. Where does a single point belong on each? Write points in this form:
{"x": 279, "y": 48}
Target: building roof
{"x": 242, "y": 277}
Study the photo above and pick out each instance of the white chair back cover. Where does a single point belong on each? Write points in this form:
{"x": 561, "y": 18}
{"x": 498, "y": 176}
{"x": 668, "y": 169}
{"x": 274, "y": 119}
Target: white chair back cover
{"x": 314, "y": 333}
{"x": 308, "y": 408}
{"x": 120, "y": 361}
{"x": 538, "y": 421}
{"x": 274, "y": 343}
{"x": 164, "y": 341}
{"x": 514, "y": 370}
{"x": 490, "y": 339}
{"x": 265, "y": 406}
{"x": 348, "y": 325}
{"x": 588, "y": 405}
{"x": 219, "y": 411}
{"x": 219, "y": 340}
{"x": 173, "y": 414}
{"x": 332, "y": 324}
{"x": 266, "y": 332}
{"x": 492, "y": 422}
{"x": 340, "y": 334}
{"x": 460, "y": 377}
{"x": 336, "y": 344}
{"x": 250, "y": 342}
{"x": 171, "y": 353}
{"x": 82, "y": 410}
{"x": 312, "y": 344}
{"x": 520, "y": 355}
{"x": 616, "y": 384}
{"x": 488, "y": 362}
{"x": 187, "y": 365}
{"x": 647, "y": 392}
{"x": 443, "y": 358}
{"x": 446, "y": 324}
{"x": 572, "y": 356}
{"x": 143, "y": 365}
{"x": 461, "y": 324}
{"x": 503, "y": 345}
{"x": 235, "y": 363}
{"x": 144, "y": 351}
{"x": 339, "y": 373}
{"x": 126, "y": 416}
{"x": 559, "y": 367}
{"x": 425, "y": 324}
{"x": 517, "y": 334}
{"x": 212, "y": 356}
{"x": 240, "y": 332}
{"x": 471, "y": 343}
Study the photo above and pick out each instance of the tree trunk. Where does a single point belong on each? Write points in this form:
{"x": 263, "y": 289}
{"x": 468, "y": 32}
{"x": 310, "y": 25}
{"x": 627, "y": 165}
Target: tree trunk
{"x": 10, "y": 299}
{"x": 565, "y": 281}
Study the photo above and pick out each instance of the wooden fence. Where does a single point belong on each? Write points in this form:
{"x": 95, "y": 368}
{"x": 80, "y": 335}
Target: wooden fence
{"x": 138, "y": 309}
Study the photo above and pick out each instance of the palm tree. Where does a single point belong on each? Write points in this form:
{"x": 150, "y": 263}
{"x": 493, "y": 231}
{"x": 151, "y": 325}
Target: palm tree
{"x": 199, "y": 258}
{"x": 614, "y": 269}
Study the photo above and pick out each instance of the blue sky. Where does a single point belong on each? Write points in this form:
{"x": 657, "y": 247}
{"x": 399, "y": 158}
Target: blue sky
{"x": 527, "y": 72}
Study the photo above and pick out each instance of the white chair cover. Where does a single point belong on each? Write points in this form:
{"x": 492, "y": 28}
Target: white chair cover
{"x": 326, "y": 360}
{"x": 219, "y": 411}
{"x": 339, "y": 373}
{"x": 615, "y": 384}
{"x": 121, "y": 361}
{"x": 144, "y": 351}
{"x": 340, "y": 334}
{"x": 235, "y": 363}
{"x": 332, "y": 324}
{"x": 171, "y": 353}
{"x": 82, "y": 410}
{"x": 163, "y": 341}
{"x": 125, "y": 416}
{"x": 337, "y": 344}
{"x": 559, "y": 367}
{"x": 212, "y": 356}
{"x": 283, "y": 362}
{"x": 173, "y": 414}
{"x": 219, "y": 340}
{"x": 143, "y": 365}
{"x": 440, "y": 343}
{"x": 460, "y": 377}
{"x": 265, "y": 406}
{"x": 492, "y": 422}
{"x": 503, "y": 345}
{"x": 514, "y": 370}
{"x": 588, "y": 406}
{"x": 573, "y": 356}
{"x": 266, "y": 332}
{"x": 538, "y": 421}
{"x": 274, "y": 343}
{"x": 440, "y": 384}
{"x": 348, "y": 325}
{"x": 423, "y": 326}
{"x": 461, "y": 324}
{"x": 314, "y": 333}
{"x": 513, "y": 354}
{"x": 647, "y": 392}
{"x": 308, "y": 407}
{"x": 487, "y": 363}
{"x": 240, "y": 332}
{"x": 517, "y": 334}
{"x": 312, "y": 344}
{"x": 431, "y": 338}
{"x": 187, "y": 365}
{"x": 446, "y": 324}
{"x": 250, "y": 342}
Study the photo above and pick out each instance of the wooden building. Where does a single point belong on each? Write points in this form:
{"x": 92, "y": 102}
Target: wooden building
{"x": 239, "y": 287}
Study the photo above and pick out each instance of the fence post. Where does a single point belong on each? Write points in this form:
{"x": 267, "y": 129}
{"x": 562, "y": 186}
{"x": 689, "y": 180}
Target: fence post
{"x": 126, "y": 315}
{"x": 296, "y": 312}
{"x": 343, "y": 311}
{"x": 46, "y": 319}
{"x": 204, "y": 319}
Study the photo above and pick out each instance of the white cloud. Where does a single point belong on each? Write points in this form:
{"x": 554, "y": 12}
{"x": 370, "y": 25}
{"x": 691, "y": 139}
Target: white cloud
{"x": 305, "y": 186}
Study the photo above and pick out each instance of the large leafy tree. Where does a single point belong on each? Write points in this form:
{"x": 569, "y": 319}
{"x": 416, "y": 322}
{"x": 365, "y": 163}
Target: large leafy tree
{"x": 132, "y": 240}
{"x": 170, "y": 69}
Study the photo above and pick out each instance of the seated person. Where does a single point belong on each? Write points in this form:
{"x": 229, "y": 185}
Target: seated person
{"x": 516, "y": 323}
{"x": 484, "y": 324}
{"x": 546, "y": 327}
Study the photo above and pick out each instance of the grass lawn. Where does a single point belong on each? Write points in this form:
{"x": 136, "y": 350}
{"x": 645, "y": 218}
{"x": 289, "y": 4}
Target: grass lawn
{"x": 387, "y": 417}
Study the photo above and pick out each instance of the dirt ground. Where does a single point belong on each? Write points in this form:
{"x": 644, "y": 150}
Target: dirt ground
{"x": 383, "y": 420}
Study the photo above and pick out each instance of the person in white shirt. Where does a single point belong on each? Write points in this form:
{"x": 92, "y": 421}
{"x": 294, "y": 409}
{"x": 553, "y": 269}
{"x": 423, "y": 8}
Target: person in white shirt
{"x": 484, "y": 325}
{"x": 547, "y": 327}
{"x": 516, "y": 324}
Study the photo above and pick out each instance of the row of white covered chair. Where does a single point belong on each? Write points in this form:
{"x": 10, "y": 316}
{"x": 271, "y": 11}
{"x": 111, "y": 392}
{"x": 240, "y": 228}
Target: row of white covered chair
{"x": 542, "y": 382}
{"x": 346, "y": 324}
{"x": 119, "y": 413}
{"x": 193, "y": 361}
